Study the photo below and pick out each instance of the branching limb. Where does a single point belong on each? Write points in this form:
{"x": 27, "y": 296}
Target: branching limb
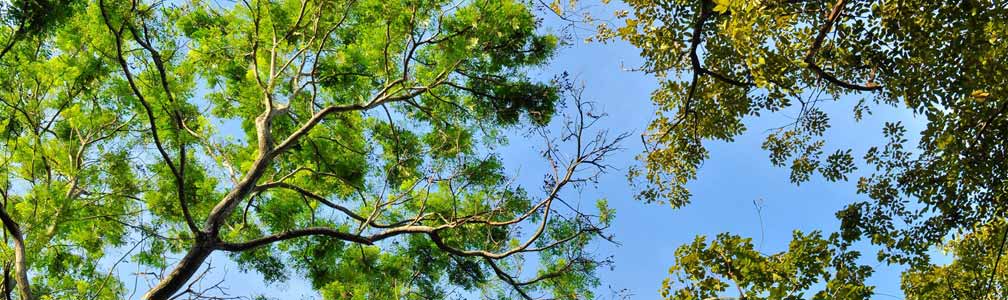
{"x": 810, "y": 56}
{"x": 177, "y": 171}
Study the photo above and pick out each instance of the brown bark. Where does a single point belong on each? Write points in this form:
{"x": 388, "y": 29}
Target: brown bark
{"x": 206, "y": 240}
{"x": 20, "y": 262}
{"x": 182, "y": 272}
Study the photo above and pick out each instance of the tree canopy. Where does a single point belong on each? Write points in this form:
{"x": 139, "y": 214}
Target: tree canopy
{"x": 722, "y": 62}
{"x": 358, "y": 145}
{"x": 703, "y": 270}
{"x": 351, "y": 143}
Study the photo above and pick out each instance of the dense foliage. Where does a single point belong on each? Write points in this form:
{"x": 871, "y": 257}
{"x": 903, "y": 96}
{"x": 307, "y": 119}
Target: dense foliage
{"x": 351, "y": 143}
{"x": 356, "y": 144}
{"x": 704, "y": 271}
{"x": 721, "y": 62}
{"x": 978, "y": 271}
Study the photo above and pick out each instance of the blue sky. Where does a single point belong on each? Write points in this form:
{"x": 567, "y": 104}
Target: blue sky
{"x": 728, "y": 183}
{"x": 736, "y": 175}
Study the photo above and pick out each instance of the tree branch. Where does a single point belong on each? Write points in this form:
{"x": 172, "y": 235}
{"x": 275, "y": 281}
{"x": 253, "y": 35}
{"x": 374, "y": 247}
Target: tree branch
{"x": 817, "y": 44}
{"x": 179, "y": 176}
{"x": 20, "y": 260}
{"x": 293, "y": 234}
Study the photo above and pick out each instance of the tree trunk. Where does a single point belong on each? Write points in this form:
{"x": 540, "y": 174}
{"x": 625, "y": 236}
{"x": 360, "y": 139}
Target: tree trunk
{"x": 21, "y": 268}
{"x": 182, "y": 272}
{"x": 20, "y": 262}
{"x": 205, "y": 242}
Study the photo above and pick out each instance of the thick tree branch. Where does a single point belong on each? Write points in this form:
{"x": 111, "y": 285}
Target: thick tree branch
{"x": 293, "y": 234}
{"x": 810, "y": 56}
